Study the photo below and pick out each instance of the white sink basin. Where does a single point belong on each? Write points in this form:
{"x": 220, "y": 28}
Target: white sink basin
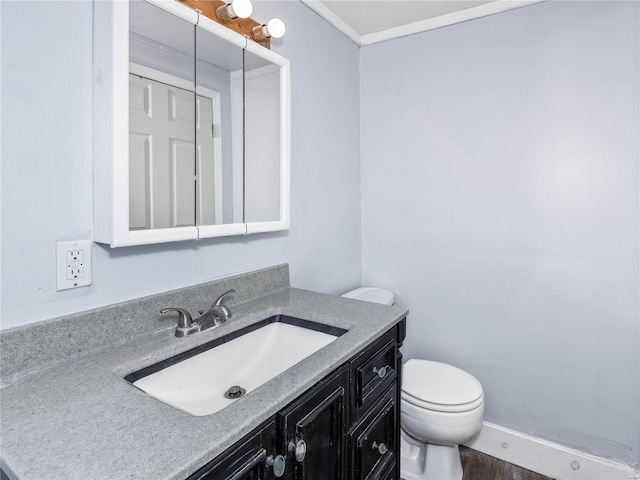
{"x": 197, "y": 385}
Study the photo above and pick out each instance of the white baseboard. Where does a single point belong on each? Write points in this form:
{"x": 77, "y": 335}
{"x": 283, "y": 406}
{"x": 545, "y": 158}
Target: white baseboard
{"x": 547, "y": 458}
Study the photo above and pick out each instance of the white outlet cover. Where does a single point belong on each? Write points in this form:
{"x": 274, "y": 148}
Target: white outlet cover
{"x": 71, "y": 256}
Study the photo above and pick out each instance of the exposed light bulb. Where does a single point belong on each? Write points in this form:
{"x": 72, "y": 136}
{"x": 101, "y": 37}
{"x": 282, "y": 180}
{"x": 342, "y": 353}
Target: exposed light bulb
{"x": 275, "y": 28}
{"x": 242, "y": 8}
{"x": 233, "y": 10}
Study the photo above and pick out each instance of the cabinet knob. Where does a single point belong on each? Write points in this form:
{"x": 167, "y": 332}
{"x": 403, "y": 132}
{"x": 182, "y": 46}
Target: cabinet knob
{"x": 382, "y": 372}
{"x": 278, "y": 463}
{"x": 382, "y": 448}
{"x": 300, "y": 449}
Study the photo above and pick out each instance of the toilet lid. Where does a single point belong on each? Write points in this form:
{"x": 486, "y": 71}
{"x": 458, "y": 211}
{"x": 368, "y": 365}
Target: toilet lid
{"x": 438, "y": 384}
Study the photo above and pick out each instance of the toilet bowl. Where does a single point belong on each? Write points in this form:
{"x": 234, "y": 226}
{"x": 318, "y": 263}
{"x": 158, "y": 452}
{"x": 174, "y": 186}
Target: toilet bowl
{"x": 441, "y": 407}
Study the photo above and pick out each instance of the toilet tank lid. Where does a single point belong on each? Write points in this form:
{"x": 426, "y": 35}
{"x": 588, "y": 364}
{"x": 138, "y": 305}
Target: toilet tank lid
{"x": 439, "y": 383}
{"x": 371, "y": 294}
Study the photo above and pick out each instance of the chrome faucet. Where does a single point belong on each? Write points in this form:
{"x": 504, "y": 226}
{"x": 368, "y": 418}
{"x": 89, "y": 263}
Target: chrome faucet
{"x": 215, "y": 316}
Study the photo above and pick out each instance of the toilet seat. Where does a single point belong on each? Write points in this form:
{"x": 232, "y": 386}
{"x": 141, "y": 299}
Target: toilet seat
{"x": 440, "y": 387}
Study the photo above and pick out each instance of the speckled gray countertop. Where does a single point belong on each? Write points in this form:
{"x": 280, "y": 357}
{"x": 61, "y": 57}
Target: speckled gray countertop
{"x": 77, "y": 418}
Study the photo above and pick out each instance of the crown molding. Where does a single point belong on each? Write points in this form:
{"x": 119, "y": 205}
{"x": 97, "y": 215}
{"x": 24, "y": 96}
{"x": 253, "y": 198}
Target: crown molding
{"x": 480, "y": 11}
{"x": 333, "y": 19}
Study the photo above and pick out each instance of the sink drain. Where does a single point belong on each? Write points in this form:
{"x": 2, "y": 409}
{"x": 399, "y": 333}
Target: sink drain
{"x": 234, "y": 392}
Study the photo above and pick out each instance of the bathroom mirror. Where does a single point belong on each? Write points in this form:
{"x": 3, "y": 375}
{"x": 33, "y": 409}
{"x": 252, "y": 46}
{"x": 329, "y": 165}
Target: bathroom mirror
{"x": 266, "y": 142}
{"x": 205, "y": 170}
{"x": 262, "y": 139}
{"x": 219, "y": 129}
{"x": 162, "y": 126}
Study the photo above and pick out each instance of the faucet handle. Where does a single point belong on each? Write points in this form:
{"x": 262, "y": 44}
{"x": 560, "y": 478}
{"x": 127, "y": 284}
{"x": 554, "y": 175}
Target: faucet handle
{"x": 184, "y": 317}
{"x": 218, "y": 301}
{"x": 186, "y": 326}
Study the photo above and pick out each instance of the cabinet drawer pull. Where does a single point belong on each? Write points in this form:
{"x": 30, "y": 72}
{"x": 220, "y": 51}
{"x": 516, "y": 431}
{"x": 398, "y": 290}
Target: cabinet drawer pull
{"x": 300, "y": 448}
{"x": 250, "y": 465}
{"x": 278, "y": 463}
{"x": 382, "y": 448}
{"x": 382, "y": 372}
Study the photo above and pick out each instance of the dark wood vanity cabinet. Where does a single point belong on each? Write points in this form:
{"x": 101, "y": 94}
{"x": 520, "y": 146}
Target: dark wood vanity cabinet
{"x": 346, "y": 427}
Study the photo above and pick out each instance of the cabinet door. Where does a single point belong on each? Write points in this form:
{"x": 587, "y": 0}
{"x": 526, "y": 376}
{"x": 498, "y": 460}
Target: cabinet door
{"x": 373, "y": 442}
{"x": 391, "y": 474}
{"x": 314, "y": 431}
{"x": 246, "y": 460}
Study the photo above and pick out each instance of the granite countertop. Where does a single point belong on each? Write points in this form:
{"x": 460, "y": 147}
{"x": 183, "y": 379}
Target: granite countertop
{"x": 80, "y": 419}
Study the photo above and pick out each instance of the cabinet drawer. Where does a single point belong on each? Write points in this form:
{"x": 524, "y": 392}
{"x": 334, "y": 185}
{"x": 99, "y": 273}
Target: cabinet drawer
{"x": 373, "y": 371}
{"x": 373, "y": 442}
{"x": 243, "y": 461}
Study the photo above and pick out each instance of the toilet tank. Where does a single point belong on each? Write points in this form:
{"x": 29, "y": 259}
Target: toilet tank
{"x": 372, "y": 294}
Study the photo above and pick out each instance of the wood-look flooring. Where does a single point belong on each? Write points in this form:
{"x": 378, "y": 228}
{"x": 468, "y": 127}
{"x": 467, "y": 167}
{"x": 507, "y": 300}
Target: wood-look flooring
{"x": 478, "y": 466}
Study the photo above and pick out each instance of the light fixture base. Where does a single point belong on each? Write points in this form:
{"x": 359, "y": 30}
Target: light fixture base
{"x": 225, "y": 13}
{"x": 259, "y": 33}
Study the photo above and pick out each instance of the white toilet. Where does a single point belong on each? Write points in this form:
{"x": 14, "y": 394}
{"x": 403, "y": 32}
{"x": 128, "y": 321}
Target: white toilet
{"x": 441, "y": 407}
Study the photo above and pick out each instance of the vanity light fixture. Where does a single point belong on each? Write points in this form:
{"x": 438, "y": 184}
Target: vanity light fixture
{"x": 274, "y": 28}
{"x": 233, "y": 10}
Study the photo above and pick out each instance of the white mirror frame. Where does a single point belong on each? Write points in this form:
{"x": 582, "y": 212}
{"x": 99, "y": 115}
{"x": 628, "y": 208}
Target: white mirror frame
{"x": 111, "y": 130}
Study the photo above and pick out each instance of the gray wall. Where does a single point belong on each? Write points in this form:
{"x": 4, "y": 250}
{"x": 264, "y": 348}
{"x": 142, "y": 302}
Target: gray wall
{"x": 500, "y": 201}
{"x": 47, "y": 168}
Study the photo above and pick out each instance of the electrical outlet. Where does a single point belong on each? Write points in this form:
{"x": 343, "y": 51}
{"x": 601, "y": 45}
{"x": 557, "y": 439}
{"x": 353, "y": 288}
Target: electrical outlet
{"x": 73, "y": 264}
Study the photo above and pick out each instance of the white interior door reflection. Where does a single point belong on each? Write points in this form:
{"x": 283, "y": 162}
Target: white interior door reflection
{"x": 173, "y": 181}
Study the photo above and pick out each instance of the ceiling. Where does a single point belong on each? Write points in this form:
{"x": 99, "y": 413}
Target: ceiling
{"x": 372, "y": 21}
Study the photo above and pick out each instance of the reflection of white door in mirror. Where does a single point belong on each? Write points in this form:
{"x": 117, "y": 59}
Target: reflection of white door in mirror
{"x": 166, "y": 174}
